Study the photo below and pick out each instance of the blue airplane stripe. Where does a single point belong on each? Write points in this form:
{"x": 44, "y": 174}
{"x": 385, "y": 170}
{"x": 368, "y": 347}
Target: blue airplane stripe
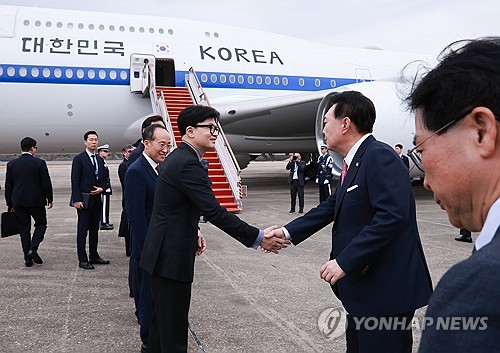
{"x": 120, "y": 76}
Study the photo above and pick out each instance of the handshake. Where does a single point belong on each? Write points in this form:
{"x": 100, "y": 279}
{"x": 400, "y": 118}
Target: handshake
{"x": 274, "y": 240}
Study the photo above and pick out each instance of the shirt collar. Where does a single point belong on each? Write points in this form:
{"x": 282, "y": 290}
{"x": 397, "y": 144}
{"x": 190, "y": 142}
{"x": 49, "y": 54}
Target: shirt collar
{"x": 194, "y": 148}
{"x": 490, "y": 226}
{"x": 90, "y": 154}
{"x": 352, "y": 152}
{"x": 152, "y": 163}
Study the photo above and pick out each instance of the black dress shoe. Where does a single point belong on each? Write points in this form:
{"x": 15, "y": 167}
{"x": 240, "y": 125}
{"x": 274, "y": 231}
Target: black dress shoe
{"x": 28, "y": 263}
{"x": 85, "y": 266}
{"x": 464, "y": 239}
{"x": 144, "y": 348}
{"x": 291, "y": 211}
{"x": 106, "y": 226}
{"x": 36, "y": 258}
{"x": 301, "y": 212}
{"x": 99, "y": 261}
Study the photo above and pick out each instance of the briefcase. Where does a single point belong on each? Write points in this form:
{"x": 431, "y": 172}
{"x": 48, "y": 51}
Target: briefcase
{"x": 10, "y": 224}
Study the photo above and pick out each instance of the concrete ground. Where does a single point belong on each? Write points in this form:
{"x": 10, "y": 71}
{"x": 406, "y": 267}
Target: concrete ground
{"x": 243, "y": 300}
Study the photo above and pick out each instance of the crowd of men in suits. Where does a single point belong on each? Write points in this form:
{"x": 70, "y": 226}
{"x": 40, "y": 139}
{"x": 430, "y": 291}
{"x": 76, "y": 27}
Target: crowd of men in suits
{"x": 377, "y": 266}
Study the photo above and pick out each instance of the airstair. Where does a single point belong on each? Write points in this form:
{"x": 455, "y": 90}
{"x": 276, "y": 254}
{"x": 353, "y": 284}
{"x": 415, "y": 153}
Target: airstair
{"x": 223, "y": 170}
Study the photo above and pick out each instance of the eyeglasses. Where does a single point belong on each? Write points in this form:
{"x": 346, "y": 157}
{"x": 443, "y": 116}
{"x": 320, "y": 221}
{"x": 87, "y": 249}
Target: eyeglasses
{"x": 129, "y": 151}
{"x": 416, "y": 156}
{"x": 214, "y": 129}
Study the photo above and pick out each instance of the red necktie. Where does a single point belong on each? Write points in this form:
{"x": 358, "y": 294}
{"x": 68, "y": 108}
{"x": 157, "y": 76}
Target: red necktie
{"x": 158, "y": 168}
{"x": 344, "y": 172}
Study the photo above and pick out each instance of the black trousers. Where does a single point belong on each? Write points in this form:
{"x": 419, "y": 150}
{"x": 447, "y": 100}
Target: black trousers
{"x": 296, "y": 188}
{"x": 324, "y": 192}
{"x": 24, "y": 215}
{"x": 363, "y": 335}
{"x": 105, "y": 208}
{"x": 88, "y": 221}
{"x": 124, "y": 230}
{"x": 140, "y": 283}
{"x": 169, "y": 324}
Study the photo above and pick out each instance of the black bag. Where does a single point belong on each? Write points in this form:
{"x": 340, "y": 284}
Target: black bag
{"x": 10, "y": 224}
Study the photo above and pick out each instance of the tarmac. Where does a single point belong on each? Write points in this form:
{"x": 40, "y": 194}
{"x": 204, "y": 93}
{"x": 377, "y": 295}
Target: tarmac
{"x": 242, "y": 300}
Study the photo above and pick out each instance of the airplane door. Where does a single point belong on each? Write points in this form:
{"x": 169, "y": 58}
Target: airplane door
{"x": 139, "y": 78}
{"x": 363, "y": 75}
{"x": 165, "y": 72}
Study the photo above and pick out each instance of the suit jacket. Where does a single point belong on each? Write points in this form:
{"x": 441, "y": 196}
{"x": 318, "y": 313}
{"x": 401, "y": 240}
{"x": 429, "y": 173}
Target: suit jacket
{"x": 469, "y": 290}
{"x": 83, "y": 178}
{"x": 27, "y": 182}
{"x": 122, "y": 169}
{"x": 136, "y": 153}
{"x": 140, "y": 183}
{"x": 375, "y": 238}
{"x": 406, "y": 161}
{"x": 300, "y": 171}
{"x": 182, "y": 193}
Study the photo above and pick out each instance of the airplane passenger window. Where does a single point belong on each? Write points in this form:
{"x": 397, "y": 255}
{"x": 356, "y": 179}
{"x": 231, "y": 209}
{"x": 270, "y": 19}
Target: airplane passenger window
{"x": 268, "y": 80}
{"x": 333, "y": 83}
{"x": 284, "y": 81}
{"x": 48, "y": 24}
{"x": 216, "y": 35}
{"x": 123, "y": 75}
{"x": 141, "y": 29}
{"x": 34, "y": 72}
{"x": 46, "y": 72}
{"x": 69, "y": 73}
{"x": 111, "y": 28}
{"x": 101, "y": 27}
{"x": 232, "y": 79}
{"x": 241, "y": 79}
{"x": 151, "y": 30}
{"x": 11, "y": 71}
{"x": 223, "y": 78}
{"x": 112, "y": 74}
{"x": 91, "y": 74}
{"x": 38, "y": 23}
{"x": 59, "y": 25}
{"x": 26, "y": 22}
{"x": 204, "y": 77}
{"x": 161, "y": 31}
{"x": 122, "y": 29}
{"x": 91, "y": 26}
{"x": 80, "y": 26}
{"x": 170, "y": 31}
{"x": 250, "y": 80}
{"x": 80, "y": 73}
{"x": 276, "y": 81}
{"x": 207, "y": 34}
{"x": 23, "y": 72}
{"x": 132, "y": 29}
{"x": 1, "y": 71}
{"x": 57, "y": 73}
{"x": 102, "y": 74}
{"x": 70, "y": 25}
{"x": 258, "y": 80}
{"x": 317, "y": 82}
{"x": 301, "y": 82}
{"x": 213, "y": 78}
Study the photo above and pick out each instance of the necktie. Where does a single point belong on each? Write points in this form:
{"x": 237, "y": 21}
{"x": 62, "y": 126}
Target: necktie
{"x": 344, "y": 172}
{"x": 158, "y": 168}
{"x": 94, "y": 163}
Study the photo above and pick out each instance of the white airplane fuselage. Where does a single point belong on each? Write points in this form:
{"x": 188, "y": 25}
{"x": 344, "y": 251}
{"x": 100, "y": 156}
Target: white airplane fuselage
{"x": 65, "y": 72}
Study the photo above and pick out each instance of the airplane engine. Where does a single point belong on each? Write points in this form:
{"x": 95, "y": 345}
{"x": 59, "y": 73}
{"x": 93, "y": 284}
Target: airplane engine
{"x": 393, "y": 124}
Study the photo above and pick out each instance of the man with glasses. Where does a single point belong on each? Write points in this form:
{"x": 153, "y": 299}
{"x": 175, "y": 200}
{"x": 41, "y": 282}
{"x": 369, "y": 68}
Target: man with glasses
{"x": 182, "y": 194}
{"x": 28, "y": 190}
{"x": 457, "y": 139}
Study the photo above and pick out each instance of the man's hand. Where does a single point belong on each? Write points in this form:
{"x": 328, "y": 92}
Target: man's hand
{"x": 273, "y": 240}
{"x": 202, "y": 244}
{"x": 78, "y": 205}
{"x": 96, "y": 191}
{"x": 49, "y": 206}
{"x": 331, "y": 272}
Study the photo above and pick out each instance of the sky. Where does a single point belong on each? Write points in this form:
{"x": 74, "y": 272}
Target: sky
{"x": 420, "y": 26}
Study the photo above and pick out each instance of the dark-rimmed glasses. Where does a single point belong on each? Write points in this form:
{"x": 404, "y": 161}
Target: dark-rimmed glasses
{"x": 416, "y": 156}
{"x": 214, "y": 129}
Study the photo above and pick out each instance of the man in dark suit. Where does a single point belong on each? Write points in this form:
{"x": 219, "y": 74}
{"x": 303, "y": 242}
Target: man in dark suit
{"x": 88, "y": 182}
{"x": 377, "y": 266}
{"x": 140, "y": 183}
{"x": 457, "y": 137}
{"x": 123, "y": 230}
{"x": 137, "y": 152}
{"x": 296, "y": 180}
{"x": 399, "y": 150}
{"x": 182, "y": 194}
{"x": 28, "y": 190}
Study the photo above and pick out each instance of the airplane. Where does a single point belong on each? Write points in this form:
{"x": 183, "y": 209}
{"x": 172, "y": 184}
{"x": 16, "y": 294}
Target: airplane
{"x": 65, "y": 72}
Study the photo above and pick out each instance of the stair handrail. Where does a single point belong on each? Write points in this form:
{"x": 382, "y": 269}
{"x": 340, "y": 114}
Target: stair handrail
{"x": 159, "y": 106}
{"x": 224, "y": 151}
